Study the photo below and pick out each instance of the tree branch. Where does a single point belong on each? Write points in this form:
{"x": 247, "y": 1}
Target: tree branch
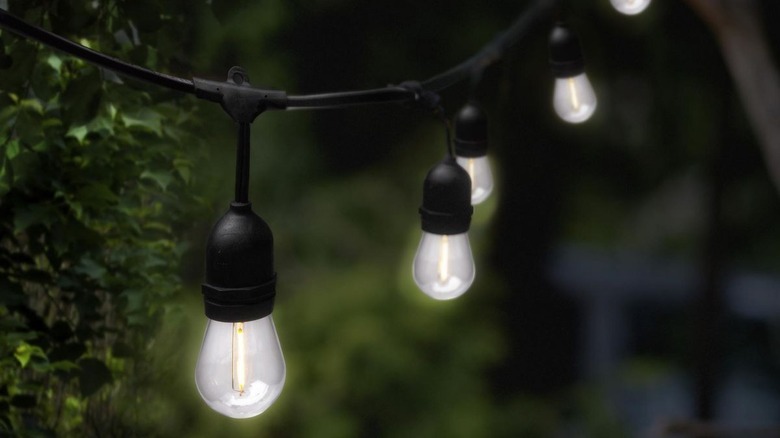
{"x": 738, "y": 29}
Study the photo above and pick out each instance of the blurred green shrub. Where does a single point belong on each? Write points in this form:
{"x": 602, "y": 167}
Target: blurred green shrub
{"x": 95, "y": 182}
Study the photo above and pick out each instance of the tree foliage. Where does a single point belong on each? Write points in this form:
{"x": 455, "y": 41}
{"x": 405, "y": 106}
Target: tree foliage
{"x": 94, "y": 193}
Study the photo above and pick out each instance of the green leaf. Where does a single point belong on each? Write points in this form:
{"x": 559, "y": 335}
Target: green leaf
{"x": 55, "y": 62}
{"x": 6, "y": 177}
{"x": 91, "y": 268}
{"x": 96, "y": 196}
{"x": 162, "y": 178}
{"x": 28, "y": 127}
{"x": 12, "y": 149}
{"x": 24, "y": 352}
{"x": 34, "y": 214}
{"x": 184, "y": 168}
{"x": 144, "y": 118}
{"x": 78, "y": 132}
{"x": 33, "y": 105}
{"x": 81, "y": 98}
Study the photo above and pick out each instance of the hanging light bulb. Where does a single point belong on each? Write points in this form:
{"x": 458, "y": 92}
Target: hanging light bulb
{"x": 573, "y": 98}
{"x": 443, "y": 266}
{"x": 240, "y": 370}
{"x": 630, "y": 7}
{"x": 471, "y": 150}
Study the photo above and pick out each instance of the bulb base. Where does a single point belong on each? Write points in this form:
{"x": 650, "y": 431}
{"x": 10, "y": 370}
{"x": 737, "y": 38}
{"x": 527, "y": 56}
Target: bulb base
{"x": 239, "y": 304}
{"x": 566, "y": 58}
{"x": 240, "y": 279}
{"x": 471, "y": 132}
{"x": 446, "y": 208}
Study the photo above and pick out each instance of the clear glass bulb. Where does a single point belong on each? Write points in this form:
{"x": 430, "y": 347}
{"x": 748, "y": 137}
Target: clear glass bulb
{"x": 574, "y": 99}
{"x": 240, "y": 370}
{"x": 478, "y": 169}
{"x": 443, "y": 267}
{"x": 630, "y": 7}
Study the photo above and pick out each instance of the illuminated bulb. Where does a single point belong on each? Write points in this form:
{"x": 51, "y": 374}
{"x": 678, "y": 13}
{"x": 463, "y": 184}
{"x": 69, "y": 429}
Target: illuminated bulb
{"x": 471, "y": 147}
{"x": 630, "y": 7}
{"x": 240, "y": 370}
{"x": 443, "y": 266}
{"x": 574, "y": 99}
{"x": 478, "y": 169}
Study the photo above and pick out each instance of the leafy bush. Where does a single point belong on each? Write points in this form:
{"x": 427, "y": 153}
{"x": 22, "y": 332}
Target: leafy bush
{"x": 94, "y": 196}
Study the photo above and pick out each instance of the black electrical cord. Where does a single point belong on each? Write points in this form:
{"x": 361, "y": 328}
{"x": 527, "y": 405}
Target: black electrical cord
{"x": 242, "y": 164}
{"x": 21, "y": 27}
{"x": 489, "y": 54}
{"x": 350, "y": 98}
{"x": 442, "y": 115}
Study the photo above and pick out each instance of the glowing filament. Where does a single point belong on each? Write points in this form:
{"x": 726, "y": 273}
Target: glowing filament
{"x": 444, "y": 269}
{"x": 575, "y": 101}
{"x": 239, "y": 357}
{"x": 470, "y": 170}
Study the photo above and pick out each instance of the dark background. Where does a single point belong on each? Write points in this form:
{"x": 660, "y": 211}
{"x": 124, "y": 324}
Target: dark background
{"x": 627, "y": 279}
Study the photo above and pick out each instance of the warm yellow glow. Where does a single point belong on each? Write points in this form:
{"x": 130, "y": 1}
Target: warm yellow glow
{"x": 470, "y": 170}
{"x": 444, "y": 268}
{"x": 575, "y": 101}
{"x": 239, "y": 357}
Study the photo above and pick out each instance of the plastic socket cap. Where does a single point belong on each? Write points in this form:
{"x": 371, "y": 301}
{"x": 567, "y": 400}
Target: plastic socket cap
{"x": 446, "y": 208}
{"x": 471, "y": 132}
{"x": 566, "y": 58}
{"x": 240, "y": 279}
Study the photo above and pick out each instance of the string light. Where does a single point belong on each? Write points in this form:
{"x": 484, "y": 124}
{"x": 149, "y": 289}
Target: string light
{"x": 240, "y": 370}
{"x": 573, "y": 97}
{"x": 443, "y": 266}
{"x": 630, "y": 7}
{"x": 471, "y": 150}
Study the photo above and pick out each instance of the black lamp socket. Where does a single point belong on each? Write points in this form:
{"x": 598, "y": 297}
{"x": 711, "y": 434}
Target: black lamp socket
{"x": 471, "y": 132}
{"x": 446, "y": 208}
{"x": 240, "y": 278}
{"x": 566, "y": 58}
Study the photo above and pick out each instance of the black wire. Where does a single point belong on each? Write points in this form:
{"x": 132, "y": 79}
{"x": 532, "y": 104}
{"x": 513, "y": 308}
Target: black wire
{"x": 442, "y": 115}
{"x": 242, "y": 164}
{"x": 472, "y": 67}
{"x": 350, "y": 98}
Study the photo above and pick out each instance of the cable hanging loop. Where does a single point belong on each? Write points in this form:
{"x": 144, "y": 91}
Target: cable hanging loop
{"x": 238, "y": 98}
{"x": 442, "y": 115}
{"x": 424, "y": 99}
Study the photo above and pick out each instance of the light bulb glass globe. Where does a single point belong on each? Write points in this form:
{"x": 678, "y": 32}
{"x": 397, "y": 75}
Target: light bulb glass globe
{"x": 443, "y": 266}
{"x": 240, "y": 370}
{"x": 630, "y": 7}
{"x": 574, "y": 99}
{"x": 478, "y": 169}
